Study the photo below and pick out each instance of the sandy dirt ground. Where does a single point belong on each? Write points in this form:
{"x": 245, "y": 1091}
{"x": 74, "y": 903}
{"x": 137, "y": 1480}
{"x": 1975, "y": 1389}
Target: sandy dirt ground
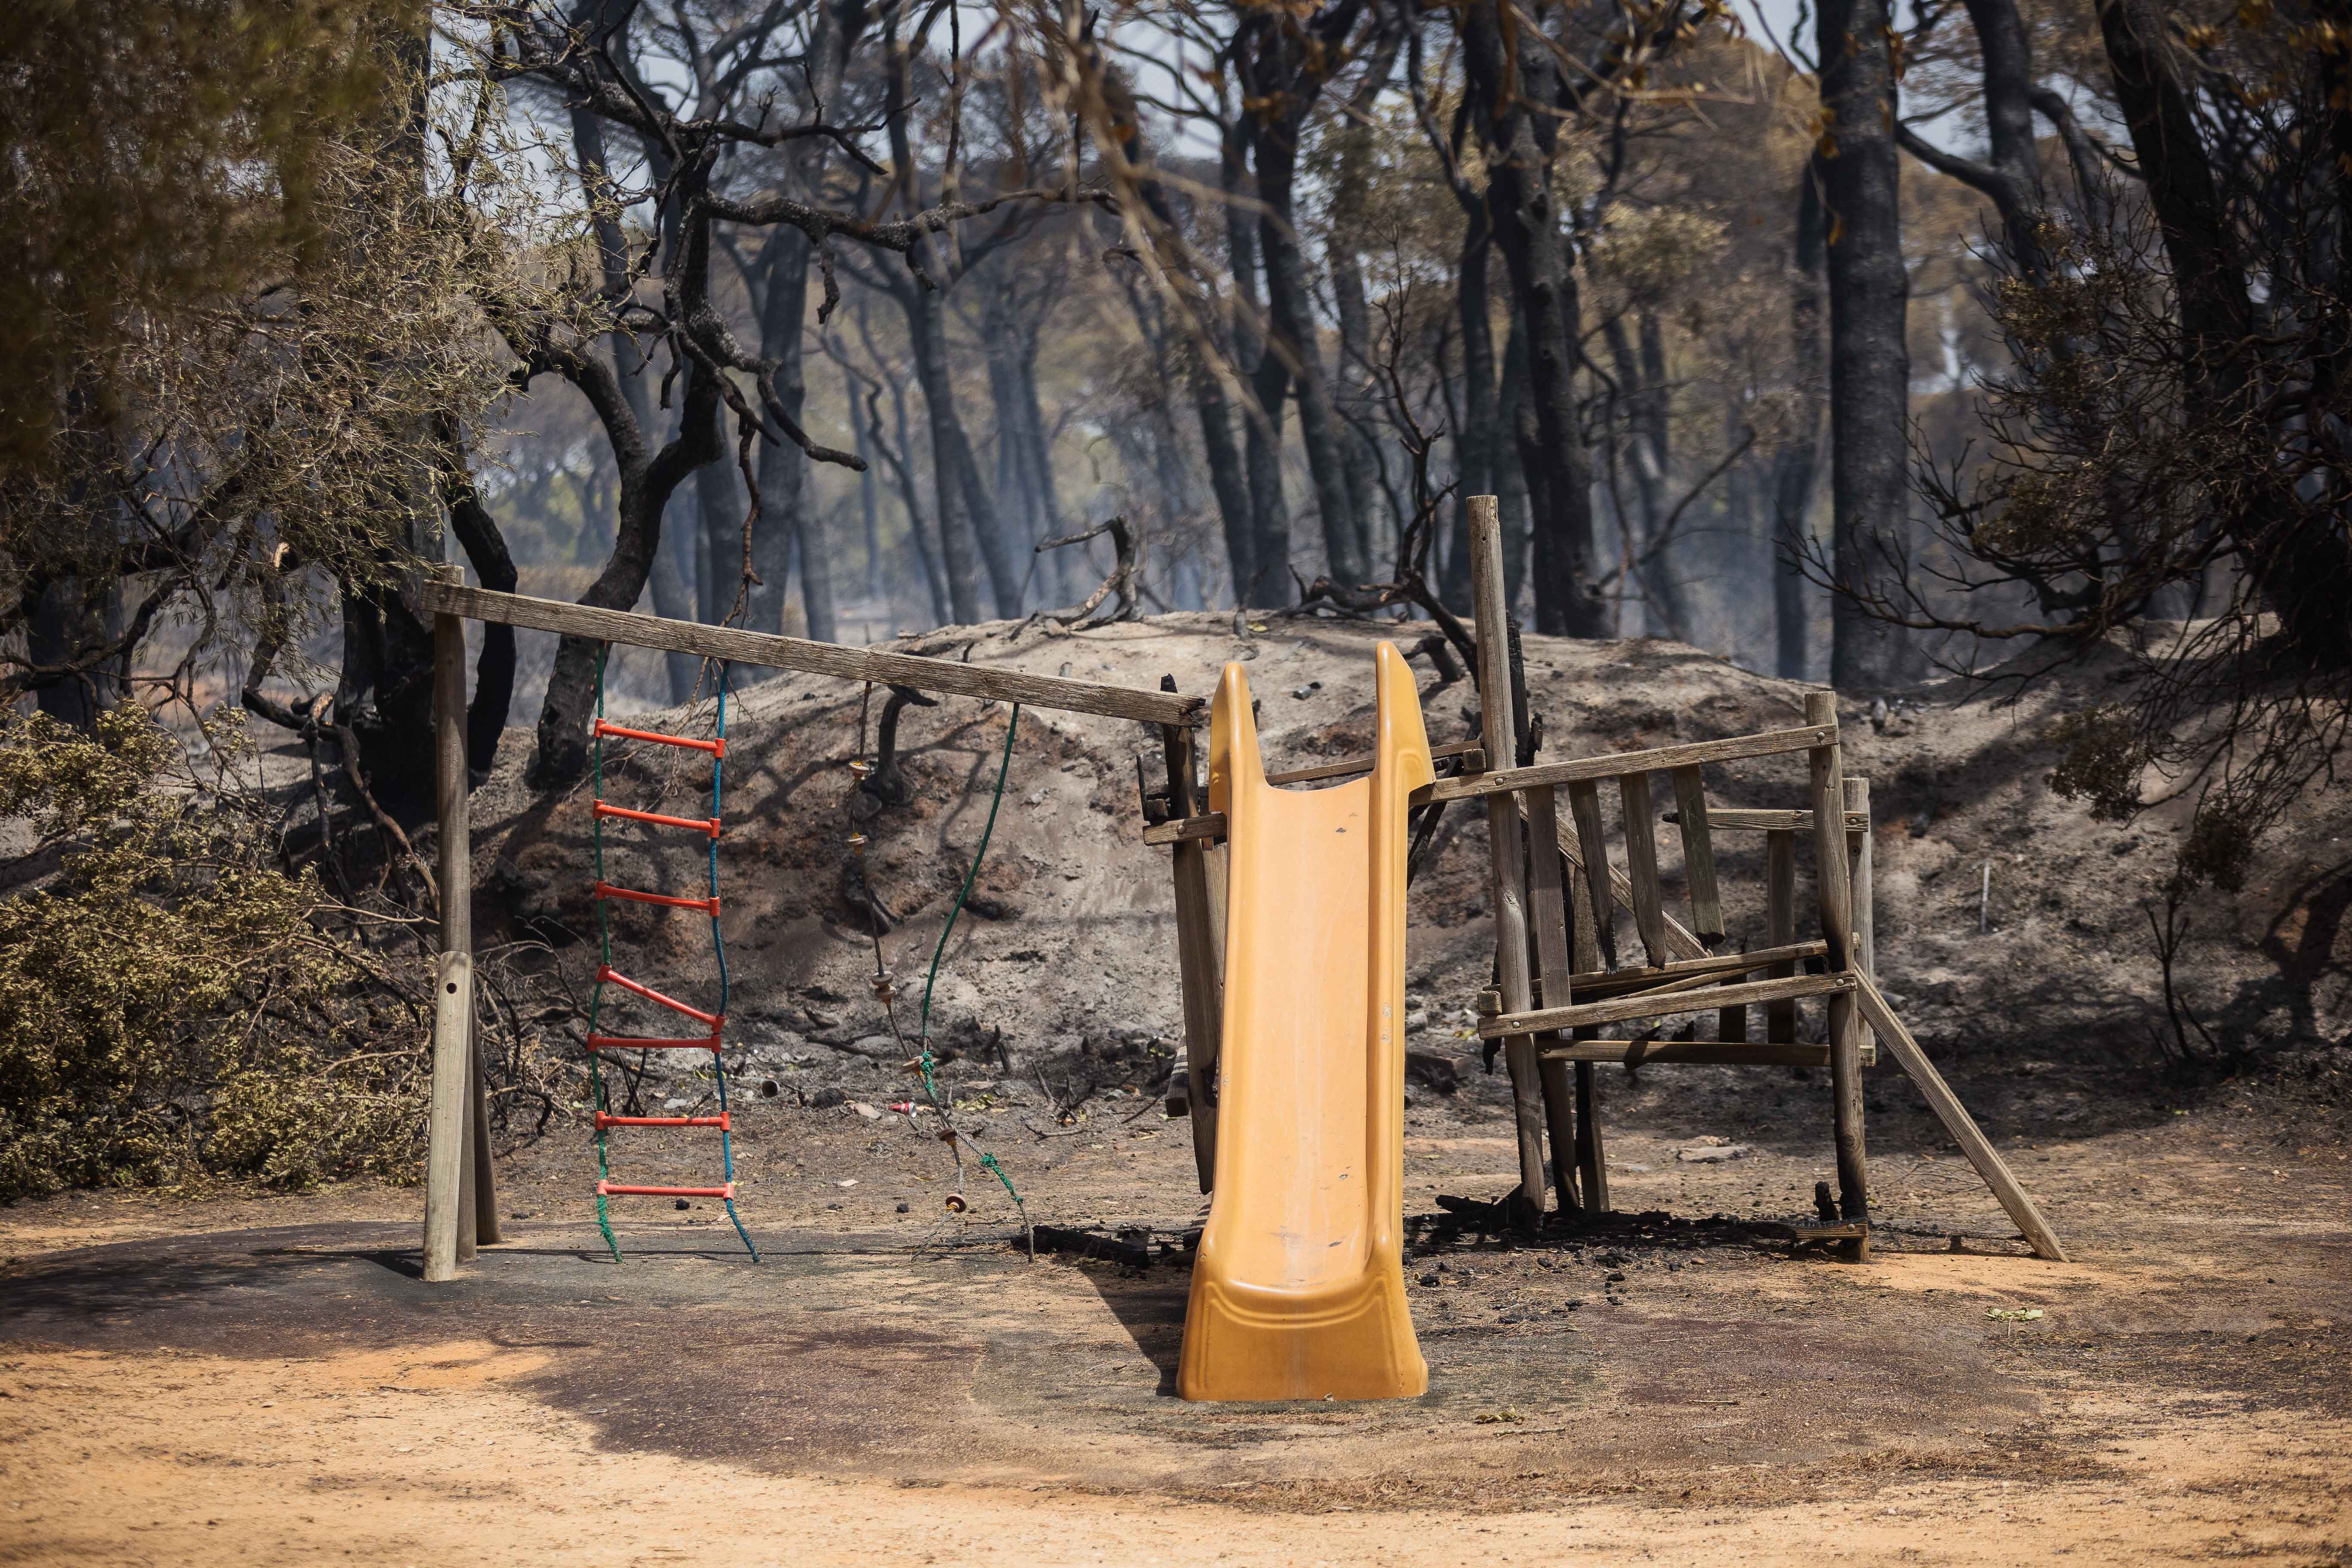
{"x": 267, "y": 1381}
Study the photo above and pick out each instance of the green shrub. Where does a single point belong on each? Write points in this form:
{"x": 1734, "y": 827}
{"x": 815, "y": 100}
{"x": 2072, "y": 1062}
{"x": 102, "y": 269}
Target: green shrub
{"x": 173, "y": 1005}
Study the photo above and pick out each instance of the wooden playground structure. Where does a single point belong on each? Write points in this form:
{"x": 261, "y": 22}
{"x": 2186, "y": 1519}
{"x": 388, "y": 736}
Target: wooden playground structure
{"x": 1559, "y": 980}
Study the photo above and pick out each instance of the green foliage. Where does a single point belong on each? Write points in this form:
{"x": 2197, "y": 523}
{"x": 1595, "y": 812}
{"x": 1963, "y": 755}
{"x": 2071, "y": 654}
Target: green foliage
{"x": 170, "y": 1007}
{"x": 2105, "y": 752}
{"x": 157, "y": 155}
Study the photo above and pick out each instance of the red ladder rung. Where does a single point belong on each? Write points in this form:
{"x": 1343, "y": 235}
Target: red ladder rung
{"x": 716, "y": 748}
{"x": 607, "y": 890}
{"x": 615, "y": 1190}
{"x": 644, "y": 1043}
{"x": 719, "y": 1122}
{"x": 699, "y": 824}
{"x": 606, "y": 972}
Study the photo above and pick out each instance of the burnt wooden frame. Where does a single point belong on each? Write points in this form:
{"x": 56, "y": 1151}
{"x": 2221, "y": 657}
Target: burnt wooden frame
{"x": 460, "y": 1199}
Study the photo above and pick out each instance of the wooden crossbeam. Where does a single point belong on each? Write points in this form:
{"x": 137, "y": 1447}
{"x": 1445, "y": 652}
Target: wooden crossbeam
{"x": 1543, "y": 1020}
{"x": 1185, "y": 829}
{"x": 1772, "y": 743}
{"x": 1601, "y": 983}
{"x": 1751, "y": 819}
{"x": 939, "y": 674}
{"x": 1721, "y": 1053}
{"x": 1471, "y": 754}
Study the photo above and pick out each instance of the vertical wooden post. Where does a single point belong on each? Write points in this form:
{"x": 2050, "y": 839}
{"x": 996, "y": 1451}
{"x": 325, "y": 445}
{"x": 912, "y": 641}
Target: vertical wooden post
{"x": 1548, "y": 911}
{"x": 1836, "y": 893}
{"x": 1591, "y": 1160}
{"x": 1200, "y": 958}
{"x": 484, "y": 1186}
{"x": 1496, "y": 731}
{"x": 1858, "y": 857}
{"x": 446, "y": 1164}
{"x": 1780, "y": 927}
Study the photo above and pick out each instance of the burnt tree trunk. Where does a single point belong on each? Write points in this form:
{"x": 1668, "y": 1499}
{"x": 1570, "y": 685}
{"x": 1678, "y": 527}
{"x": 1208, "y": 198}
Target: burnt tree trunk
{"x": 1477, "y": 445}
{"x": 1292, "y": 346}
{"x": 1793, "y": 466}
{"x": 1513, "y": 84}
{"x": 1269, "y": 383}
{"x": 788, "y": 517}
{"x": 1870, "y": 362}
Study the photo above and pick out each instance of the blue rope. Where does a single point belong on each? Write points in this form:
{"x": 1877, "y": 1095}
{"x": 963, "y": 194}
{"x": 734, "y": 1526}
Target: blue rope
{"x": 718, "y": 947}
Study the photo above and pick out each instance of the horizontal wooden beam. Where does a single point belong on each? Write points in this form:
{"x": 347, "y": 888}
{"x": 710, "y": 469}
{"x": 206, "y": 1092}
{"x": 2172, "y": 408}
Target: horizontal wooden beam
{"x": 1211, "y": 824}
{"x": 1750, "y": 819}
{"x": 1599, "y": 983}
{"x": 1543, "y": 1020}
{"x": 1184, "y": 829}
{"x": 943, "y": 676}
{"x": 1772, "y": 743}
{"x": 1473, "y": 756}
{"x": 1729, "y": 1053}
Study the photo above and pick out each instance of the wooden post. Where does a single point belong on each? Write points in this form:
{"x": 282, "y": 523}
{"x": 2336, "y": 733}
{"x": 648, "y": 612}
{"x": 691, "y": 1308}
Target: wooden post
{"x": 1836, "y": 894}
{"x": 1505, "y": 848}
{"x": 1858, "y": 857}
{"x": 1547, "y": 909}
{"x": 1591, "y": 1160}
{"x": 1200, "y": 958}
{"x": 1960, "y": 1123}
{"x": 446, "y": 1164}
{"x": 1780, "y": 926}
{"x": 484, "y": 1185}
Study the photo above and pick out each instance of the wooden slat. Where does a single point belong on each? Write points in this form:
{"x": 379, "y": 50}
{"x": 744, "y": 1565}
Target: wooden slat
{"x": 1473, "y": 755}
{"x": 1958, "y": 1121}
{"x": 1542, "y": 1020}
{"x": 1750, "y": 819}
{"x": 1639, "y": 1053}
{"x": 1600, "y": 884}
{"x": 1699, "y": 854}
{"x": 1504, "y": 843}
{"x": 1591, "y": 1158}
{"x": 1548, "y": 912}
{"x": 1208, "y": 826}
{"x": 1836, "y": 897}
{"x": 1718, "y": 1053}
{"x": 1772, "y": 743}
{"x": 1590, "y": 986}
{"x": 1780, "y": 924}
{"x": 939, "y": 674}
{"x": 1642, "y": 865}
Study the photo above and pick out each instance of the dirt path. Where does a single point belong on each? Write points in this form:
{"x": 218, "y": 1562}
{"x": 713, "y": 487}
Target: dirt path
{"x": 437, "y": 1455}
{"x": 267, "y": 1381}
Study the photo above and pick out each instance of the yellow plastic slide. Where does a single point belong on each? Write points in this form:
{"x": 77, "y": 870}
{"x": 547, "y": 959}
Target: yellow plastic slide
{"x": 1299, "y": 1284}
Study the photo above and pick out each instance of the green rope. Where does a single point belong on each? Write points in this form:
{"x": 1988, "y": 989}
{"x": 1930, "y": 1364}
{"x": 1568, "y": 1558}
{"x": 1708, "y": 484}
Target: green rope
{"x": 923, "y": 1026}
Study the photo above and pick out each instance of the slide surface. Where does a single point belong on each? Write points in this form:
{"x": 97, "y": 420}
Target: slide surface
{"x": 1298, "y": 1285}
